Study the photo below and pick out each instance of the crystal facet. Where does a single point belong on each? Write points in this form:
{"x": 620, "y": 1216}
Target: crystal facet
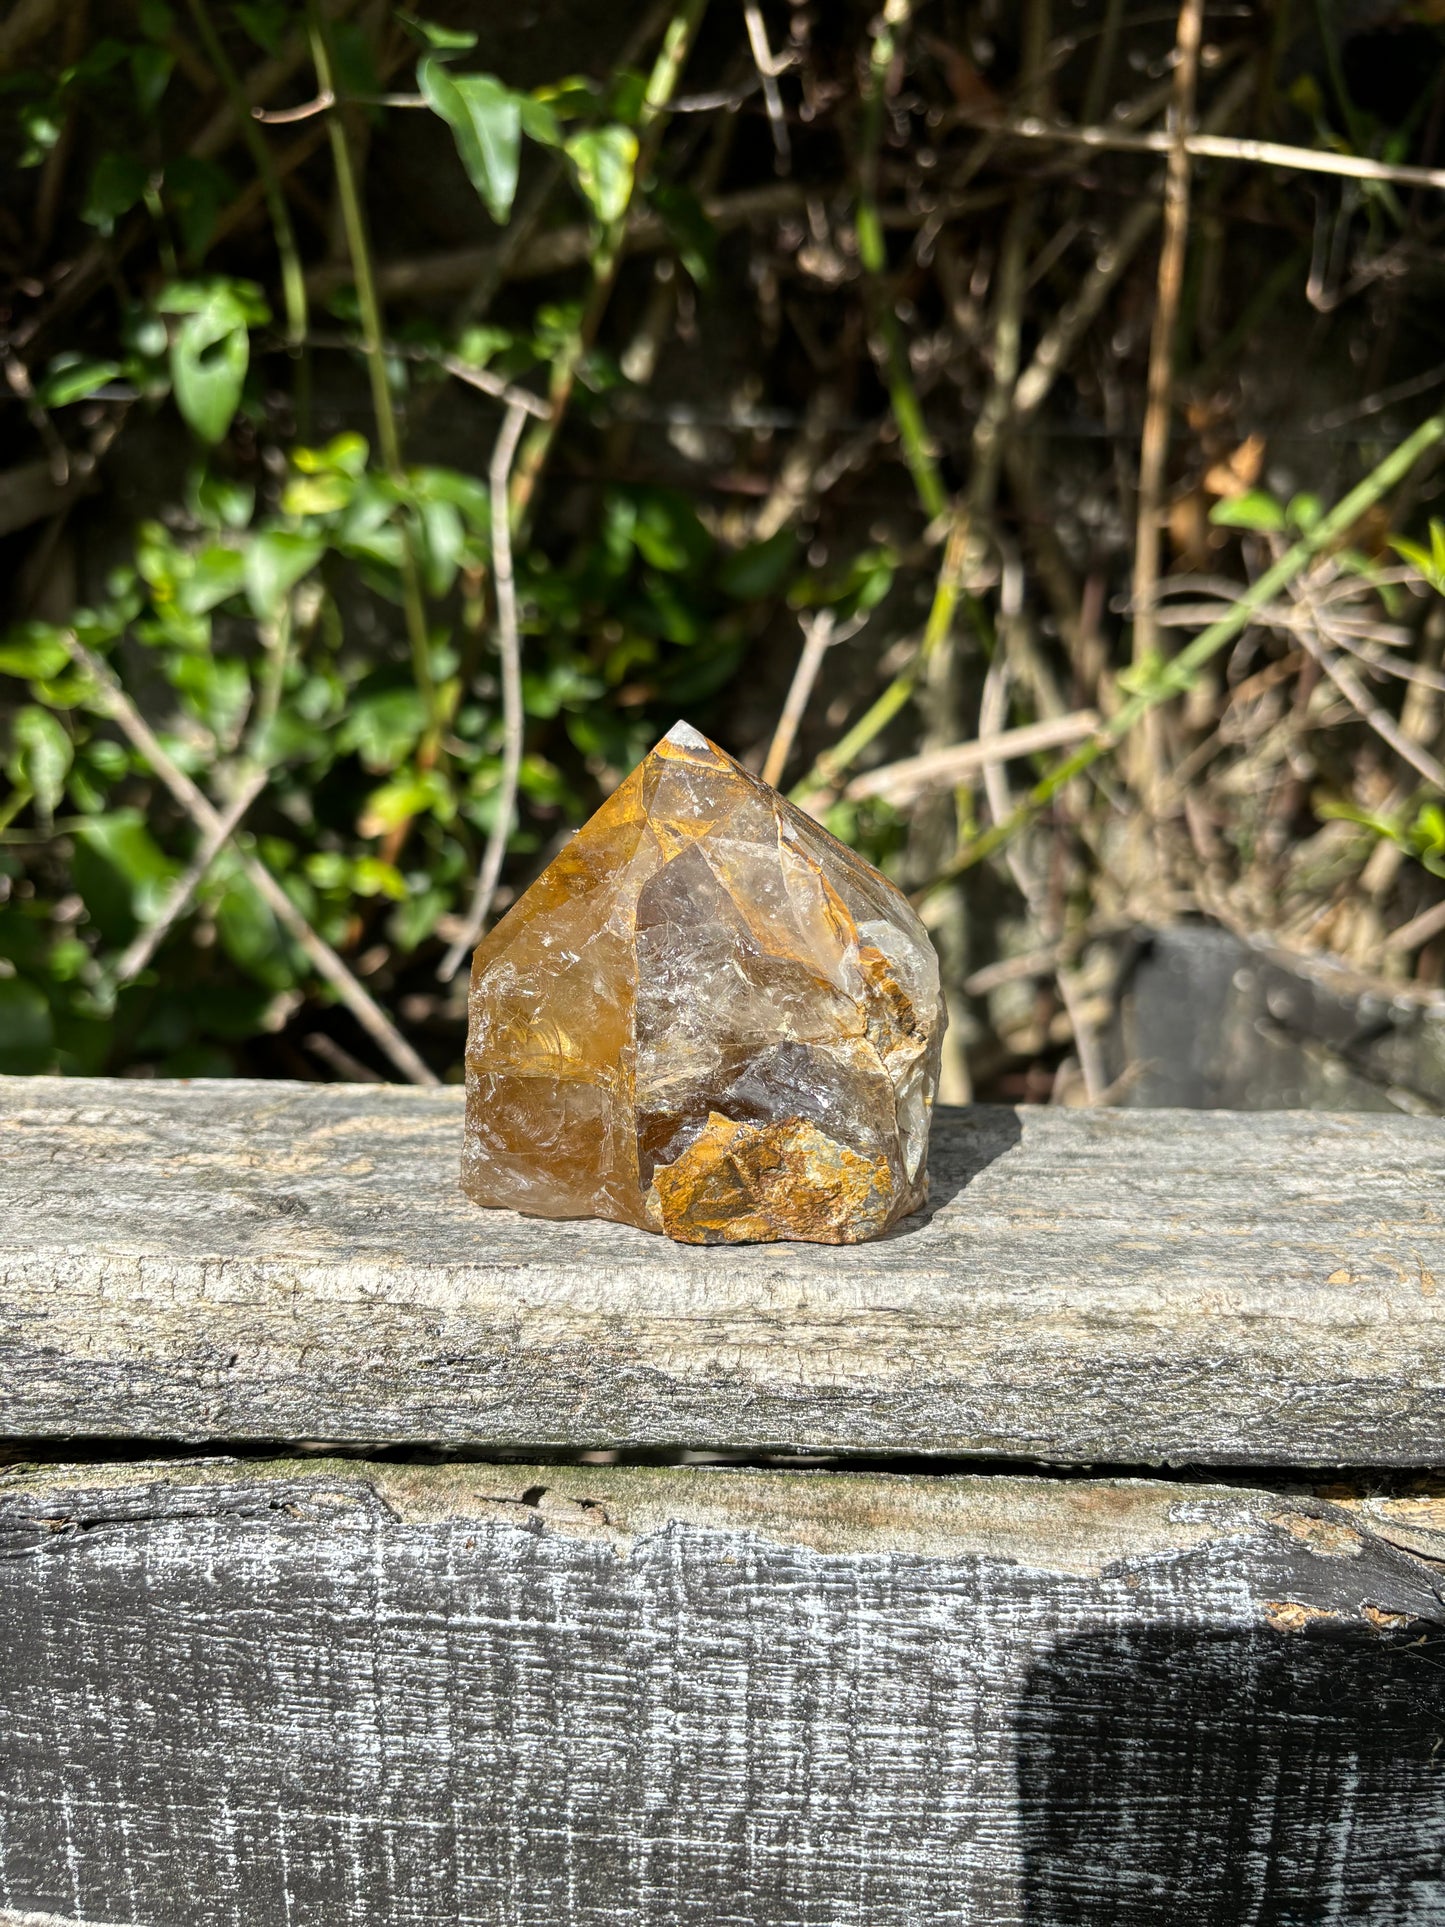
{"x": 706, "y": 1017}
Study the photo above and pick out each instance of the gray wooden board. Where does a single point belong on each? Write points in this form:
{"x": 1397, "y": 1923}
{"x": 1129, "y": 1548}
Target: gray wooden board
{"x": 229, "y": 1261}
{"x": 338, "y": 1694}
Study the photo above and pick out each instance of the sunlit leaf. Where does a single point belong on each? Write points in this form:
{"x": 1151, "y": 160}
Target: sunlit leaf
{"x": 33, "y": 649}
{"x": 275, "y": 561}
{"x": 605, "y": 159}
{"x": 1252, "y": 510}
{"x": 40, "y": 756}
{"x": 72, "y": 378}
{"x": 486, "y": 122}
{"x": 210, "y": 354}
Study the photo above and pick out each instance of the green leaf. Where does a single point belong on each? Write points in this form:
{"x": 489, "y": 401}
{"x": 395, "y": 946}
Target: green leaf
{"x": 150, "y": 69}
{"x": 317, "y": 494}
{"x": 195, "y": 192}
{"x": 439, "y": 39}
{"x": 539, "y": 123}
{"x": 40, "y": 756}
{"x": 1304, "y": 512}
{"x": 199, "y": 297}
{"x": 27, "y": 1032}
{"x": 1252, "y": 510}
{"x": 344, "y": 454}
{"x": 266, "y": 21}
{"x": 120, "y": 871}
{"x": 443, "y": 535}
{"x": 117, "y": 183}
{"x": 486, "y": 122}
{"x": 605, "y": 160}
{"x": 209, "y": 358}
{"x": 409, "y": 793}
{"x": 216, "y": 573}
{"x": 250, "y": 934}
{"x": 276, "y": 560}
{"x": 383, "y": 727}
{"x": 33, "y": 649}
{"x": 71, "y": 378}
{"x": 219, "y": 690}
{"x": 220, "y": 503}
{"x": 760, "y": 568}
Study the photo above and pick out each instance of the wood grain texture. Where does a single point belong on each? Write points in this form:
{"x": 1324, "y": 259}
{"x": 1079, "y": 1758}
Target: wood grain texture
{"x": 240, "y": 1696}
{"x": 234, "y": 1261}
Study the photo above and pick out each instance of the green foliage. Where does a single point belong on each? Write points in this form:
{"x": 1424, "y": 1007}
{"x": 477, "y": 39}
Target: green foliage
{"x": 486, "y": 120}
{"x": 1430, "y": 562}
{"x": 211, "y": 348}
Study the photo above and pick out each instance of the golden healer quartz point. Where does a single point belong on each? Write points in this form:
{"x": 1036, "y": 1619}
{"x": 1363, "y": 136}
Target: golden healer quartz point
{"x": 706, "y": 1017}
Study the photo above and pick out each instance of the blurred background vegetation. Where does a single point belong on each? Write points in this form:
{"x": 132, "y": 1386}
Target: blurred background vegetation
{"x": 1013, "y": 428}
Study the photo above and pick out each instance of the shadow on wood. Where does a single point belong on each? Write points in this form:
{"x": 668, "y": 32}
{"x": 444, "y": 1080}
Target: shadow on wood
{"x": 1221, "y": 1777}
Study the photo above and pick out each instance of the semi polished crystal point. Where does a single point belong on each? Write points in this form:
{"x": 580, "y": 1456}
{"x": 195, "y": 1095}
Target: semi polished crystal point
{"x": 706, "y": 1017}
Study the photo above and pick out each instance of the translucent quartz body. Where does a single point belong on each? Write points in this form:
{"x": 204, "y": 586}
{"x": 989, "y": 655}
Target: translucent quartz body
{"x": 706, "y": 1017}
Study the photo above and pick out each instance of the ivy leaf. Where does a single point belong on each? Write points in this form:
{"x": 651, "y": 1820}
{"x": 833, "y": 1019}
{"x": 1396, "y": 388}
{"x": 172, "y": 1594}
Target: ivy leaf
{"x": 210, "y": 354}
{"x": 276, "y": 560}
{"x": 605, "y": 160}
{"x": 486, "y": 122}
{"x": 70, "y": 378}
{"x": 40, "y": 756}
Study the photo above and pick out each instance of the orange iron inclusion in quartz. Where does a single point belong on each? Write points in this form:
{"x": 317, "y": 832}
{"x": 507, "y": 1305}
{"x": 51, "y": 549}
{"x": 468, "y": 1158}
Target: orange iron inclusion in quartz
{"x": 706, "y": 1017}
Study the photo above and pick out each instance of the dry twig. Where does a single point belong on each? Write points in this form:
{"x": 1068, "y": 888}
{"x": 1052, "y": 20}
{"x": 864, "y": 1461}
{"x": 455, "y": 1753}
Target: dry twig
{"x": 768, "y": 71}
{"x": 1154, "y": 445}
{"x": 140, "y": 951}
{"x": 904, "y": 782}
{"x": 993, "y": 711}
{"x": 819, "y": 636}
{"x": 509, "y": 645}
{"x": 359, "y": 1001}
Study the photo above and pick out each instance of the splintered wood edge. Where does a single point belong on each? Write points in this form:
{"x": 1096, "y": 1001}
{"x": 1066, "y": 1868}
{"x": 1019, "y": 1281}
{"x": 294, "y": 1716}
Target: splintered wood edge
{"x": 1079, "y": 1527}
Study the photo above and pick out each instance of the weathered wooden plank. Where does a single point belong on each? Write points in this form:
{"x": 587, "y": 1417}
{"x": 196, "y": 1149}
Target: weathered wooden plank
{"x": 271, "y": 1261}
{"x": 237, "y": 1696}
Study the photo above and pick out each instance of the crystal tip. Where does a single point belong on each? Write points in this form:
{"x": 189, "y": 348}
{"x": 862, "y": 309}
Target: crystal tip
{"x": 684, "y": 736}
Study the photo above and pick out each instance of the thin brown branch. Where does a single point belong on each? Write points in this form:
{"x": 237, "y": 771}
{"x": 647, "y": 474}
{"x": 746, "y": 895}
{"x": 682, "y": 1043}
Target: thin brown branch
{"x": 1314, "y": 637}
{"x": 1222, "y": 147}
{"x": 992, "y": 716}
{"x": 1154, "y": 445}
{"x": 509, "y": 646}
{"x": 455, "y": 270}
{"x": 904, "y": 782}
{"x": 288, "y": 116}
{"x": 817, "y": 640}
{"x": 1059, "y": 340}
{"x": 140, "y": 951}
{"x": 359, "y": 1001}
{"x": 1419, "y": 930}
{"x": 481, "y": 379}
{"x": 768, "y": 70}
